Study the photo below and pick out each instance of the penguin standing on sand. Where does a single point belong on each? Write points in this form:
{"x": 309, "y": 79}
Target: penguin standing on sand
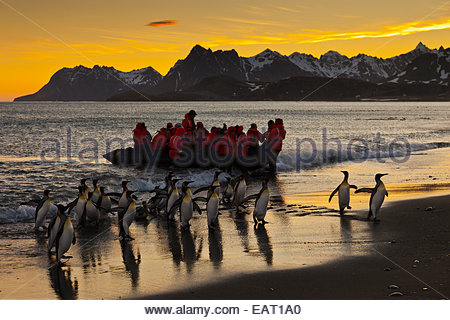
{"x": 173, "y": 196}
{"x": 227, "y": 192}
{"x": 80, "y": 206}
{"x": 64, "y": 238}
{"x": 343, "y": 193}
{"x": 104, "y": 202}
{"x": 123, "y": 201}
{"x": 212, "y": 207}
{"x": 96, "y": 192}
{"x": 186, "y": 205}
{"x": 240, "y": 188}
{"x": 54, "y": 226}
{"x": 86, "y": 189}
{"x": 377, "y": 195}
{"x": 91, "y": 212}
{"x": 126, "y": 216}
{"x": 41, "y": 211}
{"x": 261, "y": 202}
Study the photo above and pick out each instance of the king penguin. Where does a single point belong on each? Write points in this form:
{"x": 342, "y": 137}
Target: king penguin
{"x": 240, "y": 188}
{"x": 64, "y": 238}
{"x": 126, "y": 216}
{"x": 212, "y": 207}
{"x": 123, "y": 201}
{"x": 85, "y": 187}
{"x": 377, "y": 195}
{"x": 104, "y": 202}
{"x": 227, "y": 191}
{"x": 91, "y": 211}
{"x": 96, "y": 192}
{"x": 186, "y": 205}
{"x": 173, "y": 196}
{"x": 343, "y": 193}
{"x": 54, "y": 226}
{"x": 80, "y": 206}
{"x": 261, "y": 202}
{"x": 41, "y": 211}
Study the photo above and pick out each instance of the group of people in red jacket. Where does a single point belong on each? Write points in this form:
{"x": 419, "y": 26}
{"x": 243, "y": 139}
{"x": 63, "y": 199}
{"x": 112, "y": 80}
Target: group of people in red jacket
{"x": 227, "y": 144}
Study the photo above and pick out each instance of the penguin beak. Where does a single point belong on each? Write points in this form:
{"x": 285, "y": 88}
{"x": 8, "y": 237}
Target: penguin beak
{"x": 188, "y": 182}
{"x": 384, "y": 174}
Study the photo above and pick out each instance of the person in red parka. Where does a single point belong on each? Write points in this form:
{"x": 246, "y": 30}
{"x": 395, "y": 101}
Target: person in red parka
{"x": 175, "y": 144}
{"x": 189, "y": 123}
{"x": 161, "y": 140}
{"x": 142, "y": 139}
{"x": 269, "y": 127}
{"x": 201, "y": 134}
{"x": 275, "y": 142}
{"x": 140, "y": 135}
{"x": 253, "y": 138}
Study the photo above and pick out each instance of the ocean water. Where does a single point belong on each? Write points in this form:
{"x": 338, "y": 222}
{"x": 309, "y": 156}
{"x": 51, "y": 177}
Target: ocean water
{"x": 304, "y": 228}
{"x": 53, "y": 145}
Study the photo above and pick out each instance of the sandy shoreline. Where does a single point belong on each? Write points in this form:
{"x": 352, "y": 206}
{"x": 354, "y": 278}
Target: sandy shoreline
{"x": 410, "y": 251}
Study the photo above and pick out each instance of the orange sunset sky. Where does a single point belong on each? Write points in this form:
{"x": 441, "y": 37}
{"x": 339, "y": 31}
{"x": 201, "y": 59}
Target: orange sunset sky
{"x": 40, "y": 37}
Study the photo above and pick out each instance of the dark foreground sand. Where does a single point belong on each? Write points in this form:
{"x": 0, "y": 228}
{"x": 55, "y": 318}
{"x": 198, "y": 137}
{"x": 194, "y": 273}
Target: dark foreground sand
{"x": 411, "y": 250}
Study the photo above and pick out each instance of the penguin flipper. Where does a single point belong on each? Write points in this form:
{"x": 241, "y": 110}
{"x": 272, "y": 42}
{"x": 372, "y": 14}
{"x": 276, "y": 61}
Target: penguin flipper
{"x": 352, "y": 186}
{"x": 175, "y": 206}
{"x": 368, "y": 190}
{"x": 71, "y": 205}
{"x": 253, "y": 196}
{"x": 50, "y": 225}
{"x": 387, "y": 195}
{"x": 113, "y": 194}
{"x": 74, "y": 239}
{"x": 39, "y": 206}
{"x": 333, "y": 193}
{"x": 196, "y": 207}
{"x": 200, "y": 190}
{"x": 201, "y": 199}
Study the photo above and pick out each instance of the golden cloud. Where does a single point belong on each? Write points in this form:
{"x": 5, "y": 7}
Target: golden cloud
{"x": 162, "y": 23}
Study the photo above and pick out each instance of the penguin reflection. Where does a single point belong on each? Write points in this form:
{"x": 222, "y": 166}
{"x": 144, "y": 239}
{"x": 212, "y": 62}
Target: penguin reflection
{"x": 190, "y": 253}
{"x": 174, "y": 244}
{"x": 62, "y": 283}
{"x": 346, "y": 232}
{"x": 264, "y": 245}
{"x": 215, "y": 247}
{"x": 131, "y": 262}
{"x": 93, "y": 247}
{"x": 242, "y": 229}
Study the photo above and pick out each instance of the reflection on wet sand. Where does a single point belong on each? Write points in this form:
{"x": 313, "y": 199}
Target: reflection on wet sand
{"x": 131, "y": 262}
{"x": 346, "y": 232}
{"x": 190, "y": 253}
{"x": 215, "y": 247}
{"x": 93, "y": 245}
{"x": 174, "y": 244}
{"x": 61, "y": 282}
{"x": 264, "y": 245}
{"x": 242, "y": 227}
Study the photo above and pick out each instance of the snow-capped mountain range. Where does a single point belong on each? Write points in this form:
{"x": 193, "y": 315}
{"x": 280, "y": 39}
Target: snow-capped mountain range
{"x": 99, "y": 83}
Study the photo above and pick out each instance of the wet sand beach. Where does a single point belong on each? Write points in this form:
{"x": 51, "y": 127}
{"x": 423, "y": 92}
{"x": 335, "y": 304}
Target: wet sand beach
{"x": 409, "y": 258}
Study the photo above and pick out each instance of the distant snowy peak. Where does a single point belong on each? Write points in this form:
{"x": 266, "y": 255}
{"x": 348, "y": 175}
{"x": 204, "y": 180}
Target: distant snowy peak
{"x": 139, "y": 77}
{"x": 364, "y": 67}
{"x": 333, "y": 57}
{"x": 261, "y": 59}
{"x": 431, "y": 67}
{"x": 93, "y": 84}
